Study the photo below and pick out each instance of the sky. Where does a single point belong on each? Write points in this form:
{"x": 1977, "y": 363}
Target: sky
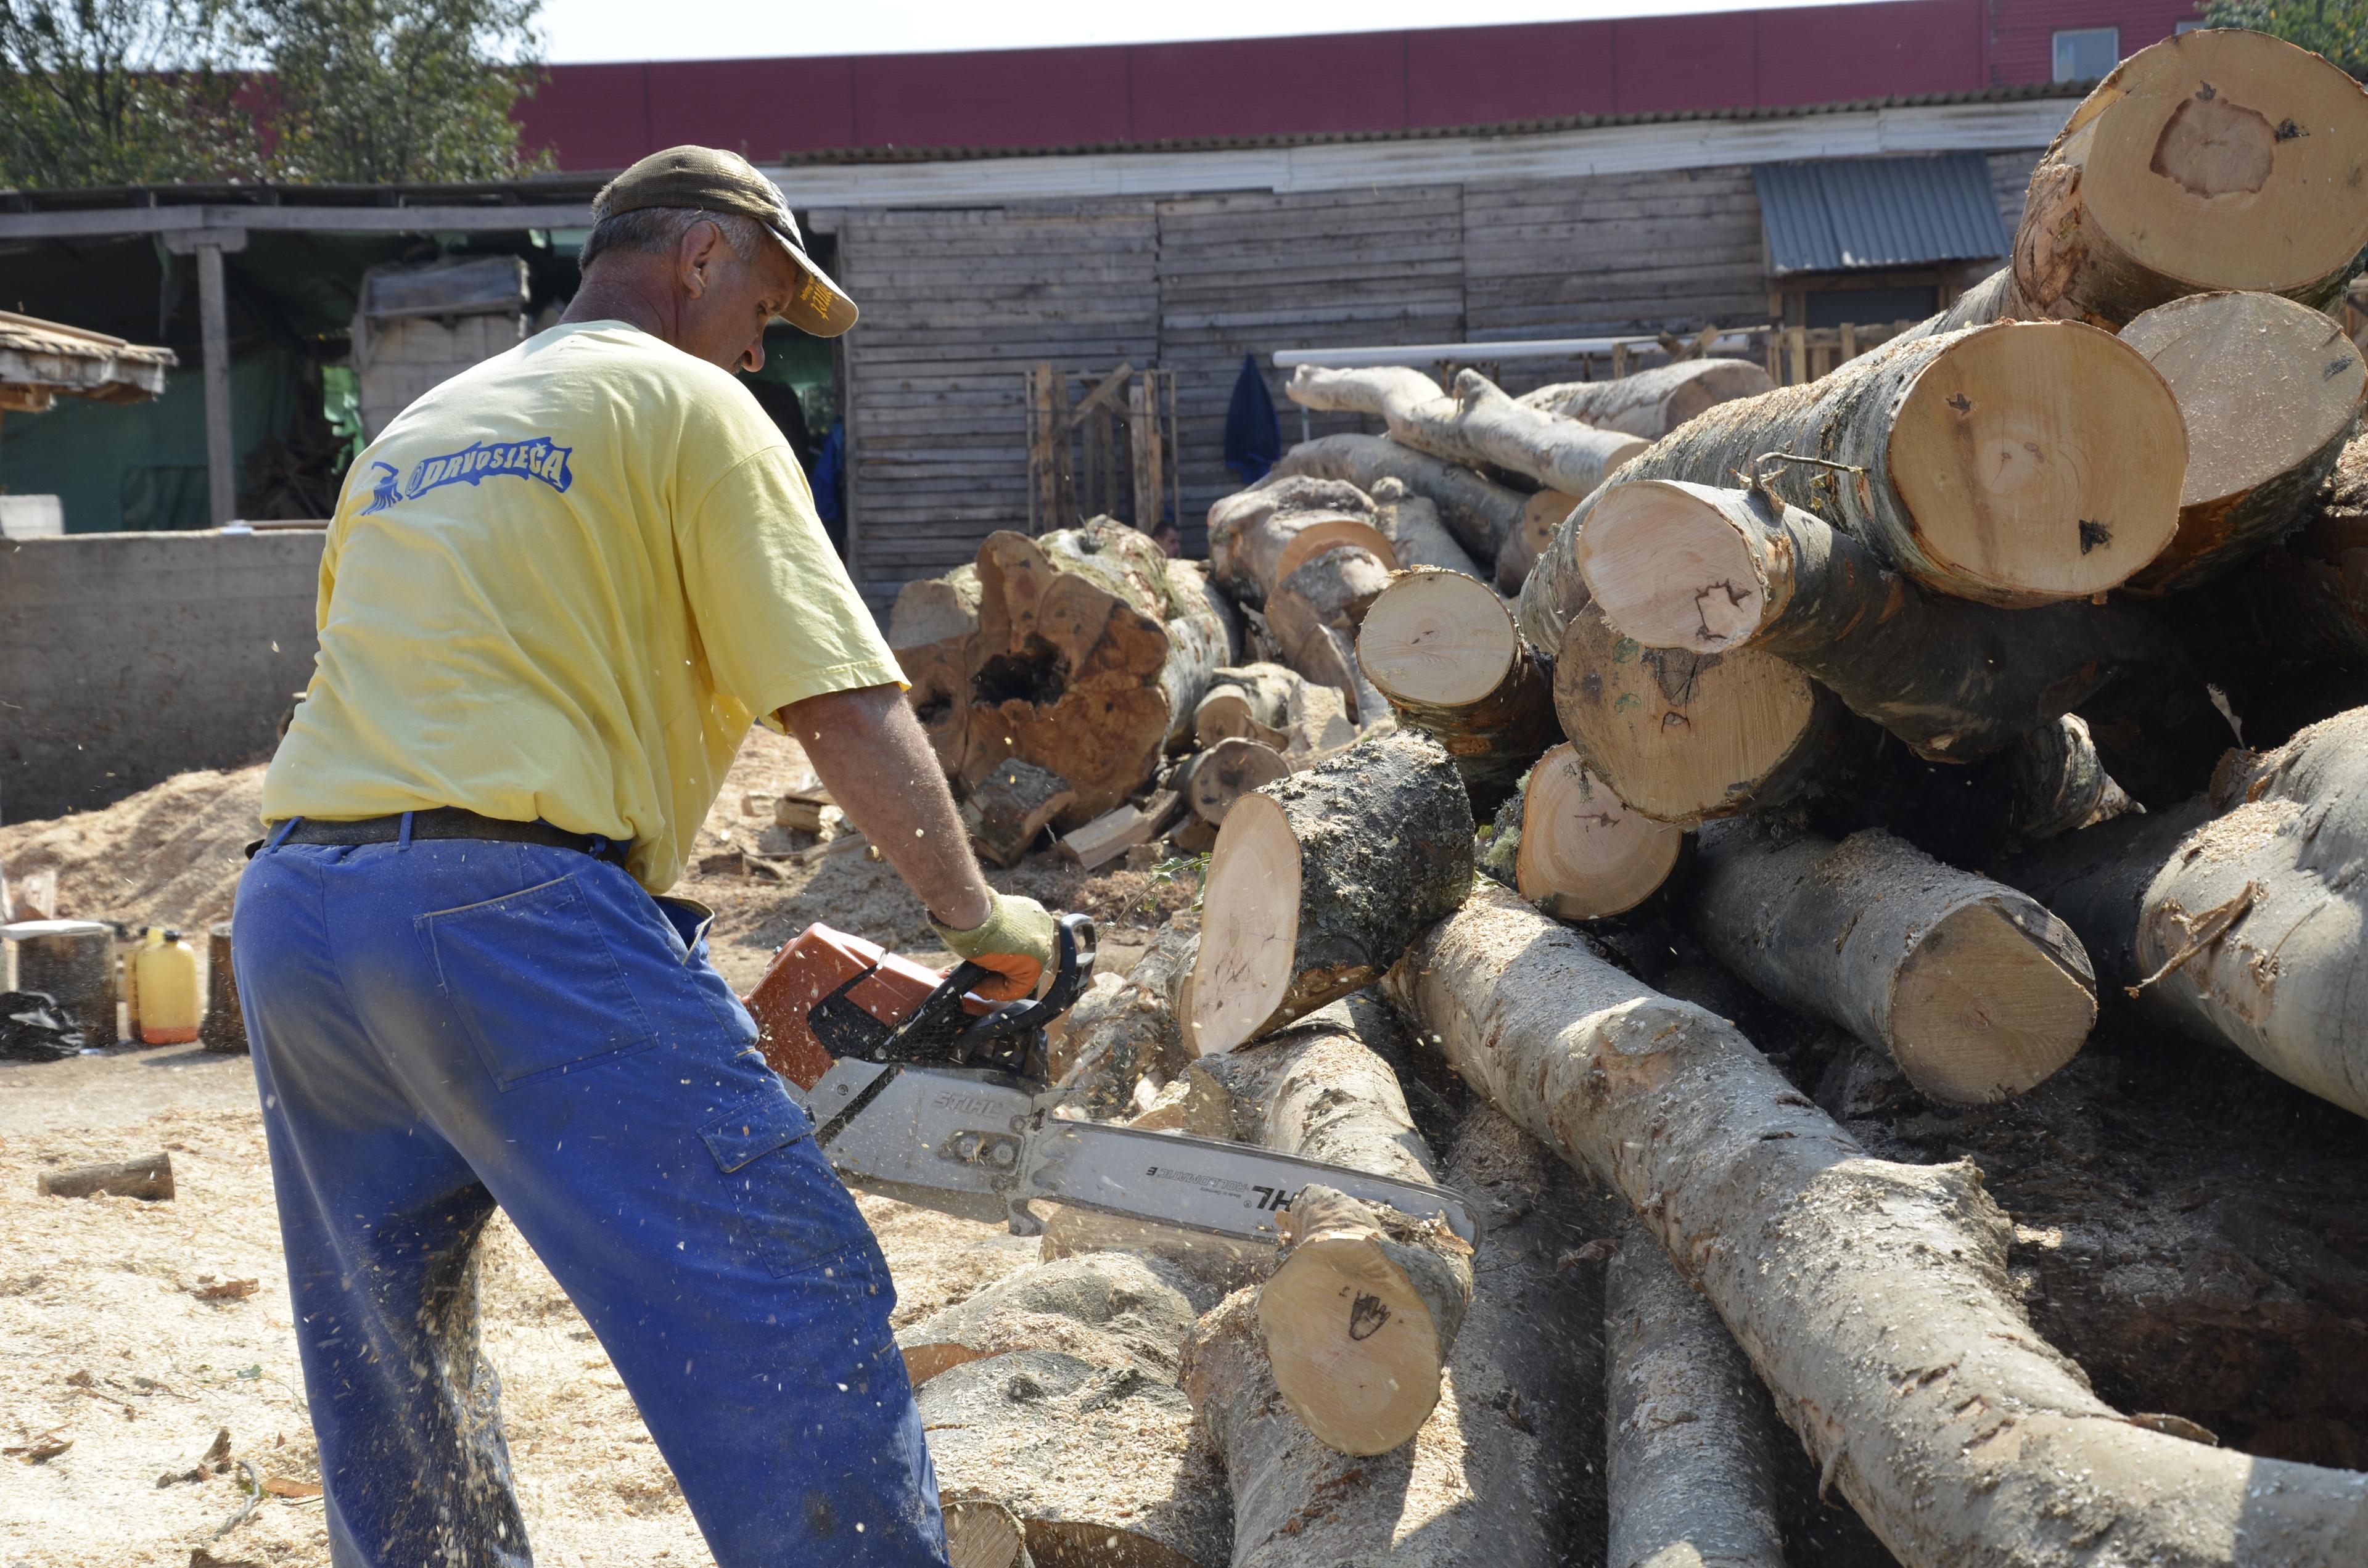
{"x": 581, "y": 30}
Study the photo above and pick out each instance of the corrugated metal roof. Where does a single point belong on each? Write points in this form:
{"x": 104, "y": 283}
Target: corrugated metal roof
{"x": 1852, "y": 214}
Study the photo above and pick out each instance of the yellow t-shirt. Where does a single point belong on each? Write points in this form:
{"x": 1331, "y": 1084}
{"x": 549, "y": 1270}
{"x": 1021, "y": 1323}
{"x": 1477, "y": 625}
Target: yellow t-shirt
{"x": 559, "y": 587}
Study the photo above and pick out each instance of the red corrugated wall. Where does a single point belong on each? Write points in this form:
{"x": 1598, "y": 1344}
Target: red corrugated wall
{"x": 605, "y": 116}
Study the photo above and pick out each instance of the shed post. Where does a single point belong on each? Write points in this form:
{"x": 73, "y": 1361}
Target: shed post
{"x": 213, "y": 326}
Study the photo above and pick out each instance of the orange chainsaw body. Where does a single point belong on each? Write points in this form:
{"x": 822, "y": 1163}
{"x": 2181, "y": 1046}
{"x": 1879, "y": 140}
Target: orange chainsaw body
{"x": 820, "y": 964}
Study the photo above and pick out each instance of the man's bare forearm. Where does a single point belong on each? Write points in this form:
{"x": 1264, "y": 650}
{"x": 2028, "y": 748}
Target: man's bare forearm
{"x": 876, "y": 762}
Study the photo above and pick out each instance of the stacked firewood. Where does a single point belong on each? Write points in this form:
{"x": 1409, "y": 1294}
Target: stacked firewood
{"x": 2015, "y": 670}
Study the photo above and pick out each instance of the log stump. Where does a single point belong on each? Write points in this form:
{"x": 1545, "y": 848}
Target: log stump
{"x": 1442, "y": 648}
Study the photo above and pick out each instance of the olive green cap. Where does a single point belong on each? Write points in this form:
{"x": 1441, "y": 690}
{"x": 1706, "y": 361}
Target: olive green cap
{"x": 711, "y": 180}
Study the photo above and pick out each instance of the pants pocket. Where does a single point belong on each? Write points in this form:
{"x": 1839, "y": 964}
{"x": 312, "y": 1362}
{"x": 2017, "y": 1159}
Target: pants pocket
{"x": 533, "y": 981}
{"x": 793, "y": 1211}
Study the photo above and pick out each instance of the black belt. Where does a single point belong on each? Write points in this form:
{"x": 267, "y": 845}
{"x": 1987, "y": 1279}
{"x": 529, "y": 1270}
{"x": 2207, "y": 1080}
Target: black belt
{"x": 449, "y": 822}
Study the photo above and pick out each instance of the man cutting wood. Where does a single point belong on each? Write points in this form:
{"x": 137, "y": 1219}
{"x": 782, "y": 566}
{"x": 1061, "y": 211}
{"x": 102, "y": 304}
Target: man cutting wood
{"x": 557, "y": 590}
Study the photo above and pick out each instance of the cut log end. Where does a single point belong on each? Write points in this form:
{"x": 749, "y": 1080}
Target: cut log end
{"x": 2041, "y": 461}
{"x": 1438, "y": 639}
{"x": 1584, "y": 855}
{"x": 2226, "y": 160}
{"x": 1682, "y": 736}
{"x": 1250, "y": 926}
{"x": 981, "y": 1533}
{"x": 1352, "y": 1323}
{"x": 1981, "y": 1011}
{"x": 1671, "y": 569}
{"x": 1230, "y": 770}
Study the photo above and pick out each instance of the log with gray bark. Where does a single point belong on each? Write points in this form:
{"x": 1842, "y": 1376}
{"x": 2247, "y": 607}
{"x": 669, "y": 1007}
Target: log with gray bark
{"x": 2270, "y": 390}
{"x": 1007, "y": 812}
{"x": 1652, "y": 403}
{"x": 1683, "y": 736}
{"x": 1871, "y": 1296}
{"x": 1495, "y": 1475}
{"x": 2238, "y": 918}
{"x": 2218, "y": 159}
{"x": 1479, "y": 511}
{"x": 1275, "y": 706}
{"x": 1262, "y": 535}
{"x": 1474, "y": 424}
{"x": 1442, "y": 648}
{"x": 1976, "y": 990}
{"x": 2017, "y": 464}
{"x": 1319, "y": 881}
{"x": 931, "y": 630}
{"x": 1689, "y": 1439}
{"x": 1411, "y": 523}
{"x": 1713, "y": 570}
{"x": 1091, "y": 652}
{"x": 1117, "y": 1035}
{"x": 1541, "y": 519}
{"x": 1564, "y": 841}
{"x": 1362, "y": 1307}
{"x": 2311, "y": 596}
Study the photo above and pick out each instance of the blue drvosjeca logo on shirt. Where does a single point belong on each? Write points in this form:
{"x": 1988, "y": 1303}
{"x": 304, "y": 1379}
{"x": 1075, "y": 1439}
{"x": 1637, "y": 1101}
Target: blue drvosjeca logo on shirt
{"x": 537, "y": 459}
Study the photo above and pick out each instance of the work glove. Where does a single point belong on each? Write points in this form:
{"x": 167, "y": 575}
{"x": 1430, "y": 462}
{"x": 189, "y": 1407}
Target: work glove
{"x": 1015, "y": 942}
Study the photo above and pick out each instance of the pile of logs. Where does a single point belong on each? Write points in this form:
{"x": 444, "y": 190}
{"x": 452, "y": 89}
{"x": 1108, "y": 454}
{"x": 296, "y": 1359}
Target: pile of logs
{"x": 2008, "y": 683}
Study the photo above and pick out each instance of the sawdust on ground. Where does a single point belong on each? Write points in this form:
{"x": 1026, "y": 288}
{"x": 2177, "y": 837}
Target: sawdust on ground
{"x": 110, "y": 1287}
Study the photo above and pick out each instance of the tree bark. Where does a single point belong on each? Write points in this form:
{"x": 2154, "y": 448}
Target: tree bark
{"x": 2238, "y": 918}
{"x": 1525, "y": 544}
{"x": 1313, "y": 615}
{"x": 2219, "y": 159}
{"x": 1359, "y": 1313}
{"x": 1652, "y": 403}
{"x": 1479, "y": 511}
{"x": 1117, "y": 1036}
{"x": 1440, "y": 647}
{"x": 1109, "y": 1309}
{"x": 2310, "y": 597}
{"x": 1684, "y": 737}
{"x": 149, "y": 1176}
{"x": 2269, "y": 391}
{"x": 1009, "y": 808}
{"x": 1098, "y": 1464}
{"x": 1207, "y": 617}
{"x": 1260, "y": 536}
{"x": 1090, "y": 652}
{"x": 1974, "y": 989}
{"x": 1475, "y": 424}
{"x": 1319, "y": 881}
{"x": 2017, "y": 464}
{"x": 1871, "y": 1296}
{"x": 1711, "y": 570}
{"x": 1567, "y": 844}
{"x": 1688, "y": 1450}
{"x": 931, "y": 631}
{"x": 1275, "y": 706}
{"x": 1410, "y": 522}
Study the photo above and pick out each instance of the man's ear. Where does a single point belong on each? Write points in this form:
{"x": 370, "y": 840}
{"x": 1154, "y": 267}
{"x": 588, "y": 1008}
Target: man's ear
{"x": 696, "y": 255}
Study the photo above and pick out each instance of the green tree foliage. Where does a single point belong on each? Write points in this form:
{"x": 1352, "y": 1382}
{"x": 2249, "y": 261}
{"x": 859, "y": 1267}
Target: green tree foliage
{"x": 135, "y": 92}
{"x": 2337, "y": 28}
{"x": 397, "y": 90}
{"x": 119, "y": 92}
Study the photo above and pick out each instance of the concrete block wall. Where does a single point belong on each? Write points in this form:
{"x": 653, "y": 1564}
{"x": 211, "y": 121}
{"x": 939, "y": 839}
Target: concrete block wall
{"x": 407, "y": 356}
{"x": 127, "y": 658}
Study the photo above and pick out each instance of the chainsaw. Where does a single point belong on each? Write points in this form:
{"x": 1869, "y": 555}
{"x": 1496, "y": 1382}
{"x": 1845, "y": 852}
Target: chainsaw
{"x": 921, "y": 1091}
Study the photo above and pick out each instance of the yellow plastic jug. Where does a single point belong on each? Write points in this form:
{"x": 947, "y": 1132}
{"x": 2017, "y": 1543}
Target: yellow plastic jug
{"x": 170, "y": 1001}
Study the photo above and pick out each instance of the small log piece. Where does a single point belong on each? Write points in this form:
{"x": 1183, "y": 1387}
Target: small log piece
{"x": 931, "y": 630}
{"x": 2017, "y": 464}
{"x": 1442, "y": 648}
{"x": 1227, "y": 771}
{"x": 1568, "y": 844}
{"x": 1688, "y": 1457}
{"x": 2237, "y": 919}
{"x": 1320, "y": 880}
{"x": 983, "y": 1533}
{"x": 2270, "y": 390}
{"x": 1475, "y": 424}
{"x": 1540, "y": 520}
{"x": 1109, "y": 1309}
{"x": 1118, "y": 1035}
{"x": 1112, "y": 833}
{"x": 1684, "y": 737}
{"x": 2218, "y": 159}
{"x": 149, "y": 1176}
{"x": 1275, "y": 706}
{"x": 1846, "y": 1279}
{"x": 1976, "y": 991}
{"x": 1651, "y": 403}
{"x": 1410, "y": 522}
{"x": 1007, "y": 812}
{"x": 1260, "y": 536}
{"x": 1479, "y": 511}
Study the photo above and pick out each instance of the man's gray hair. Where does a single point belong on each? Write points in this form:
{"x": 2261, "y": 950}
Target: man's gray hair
{"x": 655, "y": 231}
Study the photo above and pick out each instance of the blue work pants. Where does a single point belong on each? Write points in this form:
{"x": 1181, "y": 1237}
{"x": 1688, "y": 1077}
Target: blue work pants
{"x": 441, "y": 1026}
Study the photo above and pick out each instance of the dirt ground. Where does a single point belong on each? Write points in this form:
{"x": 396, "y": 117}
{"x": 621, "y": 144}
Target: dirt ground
{"x": 130, "y": 1336}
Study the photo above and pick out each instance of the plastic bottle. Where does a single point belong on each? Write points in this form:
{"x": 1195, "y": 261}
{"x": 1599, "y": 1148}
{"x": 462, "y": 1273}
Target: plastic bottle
{"x": 170, "y": 1001}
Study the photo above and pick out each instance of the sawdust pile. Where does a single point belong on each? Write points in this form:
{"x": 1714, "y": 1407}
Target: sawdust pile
{"x": 168, "y": 856}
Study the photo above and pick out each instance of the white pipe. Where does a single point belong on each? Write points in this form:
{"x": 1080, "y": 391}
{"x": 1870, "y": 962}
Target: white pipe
{"x": 1479, "y": 353}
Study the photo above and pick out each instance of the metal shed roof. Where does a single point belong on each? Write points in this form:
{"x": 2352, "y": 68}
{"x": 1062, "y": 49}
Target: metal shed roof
{"x": 1848, "y": 214}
